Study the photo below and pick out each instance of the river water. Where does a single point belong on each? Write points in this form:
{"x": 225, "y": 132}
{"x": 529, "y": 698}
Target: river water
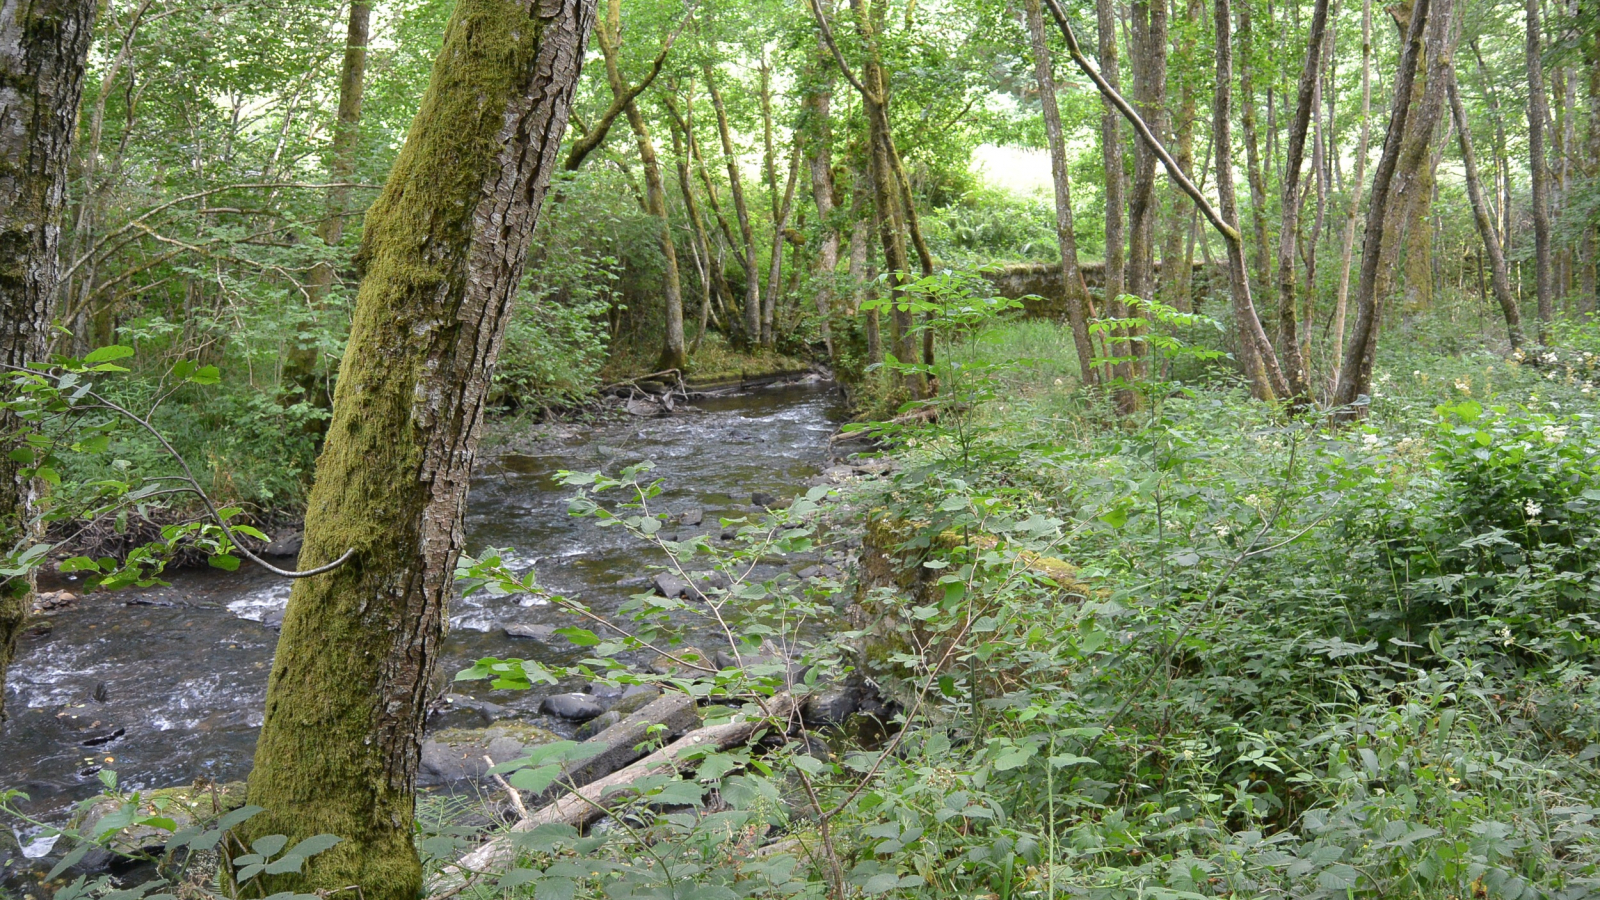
{"x": 168, "y": 684}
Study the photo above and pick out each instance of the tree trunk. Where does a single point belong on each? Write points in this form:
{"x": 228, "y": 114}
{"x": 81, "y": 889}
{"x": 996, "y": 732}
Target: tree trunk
{"x": 1252, "y": 145}
{"x": 300, "y": 363}
{"x": 1115, "y": 179}
{"x": 1405, "y": 154}
{"x": 674, "y": 353}
{"x": 443, "y": 254}
{"x": 752, "y": 277}
{"x": 1149, "y": 58}
{"x": 1177, "y": 275}
{"x": 861, "y": 225}
{"x": 1498, "y": 278}
{"x": 1589, "y": 274}
{"x": 44, "y": 46}
{"x": 819, "y": 164}
{"x": 711, "y": 280}
{"x": 769, "y": 166}
{"x": 1071, "y": 278}
{"x": 1259, "y": 362}
{"x": 1289, "y": 351}
{"x": 1538, "y": 167}
{"x": 1341, "y": 301}
{"x": 780, "y": 222}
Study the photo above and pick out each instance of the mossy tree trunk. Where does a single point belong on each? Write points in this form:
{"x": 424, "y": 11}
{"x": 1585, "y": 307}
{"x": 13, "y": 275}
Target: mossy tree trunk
{"x": 43, "y": 48}
{"x": 443, "y": 255}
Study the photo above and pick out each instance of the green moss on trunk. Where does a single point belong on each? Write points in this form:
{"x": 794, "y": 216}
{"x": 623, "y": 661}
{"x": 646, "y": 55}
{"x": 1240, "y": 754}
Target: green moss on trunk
{"x": 443, "y": 252}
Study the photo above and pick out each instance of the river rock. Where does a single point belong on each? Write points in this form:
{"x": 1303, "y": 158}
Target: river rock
{"x": 692, "y": 517}
{"x": 456, "y": 754}
{"x": 667, "y": 665}
{"x": 832, "y": 704}
{"x": 597, "y": 724}
{"x": 535, "y": 632}
{"x": 462, "y": 711}
{"x": 669, "y": 585}
{"x": 729, "y": 534}
{"x": 763, "y": 500}
{"x": 577, "y": 707}
{"x": 273, "y": 618}
{"x": 635, "y": 698}
{"x": 287, "y": 545}
{"x": 188, "y": 806}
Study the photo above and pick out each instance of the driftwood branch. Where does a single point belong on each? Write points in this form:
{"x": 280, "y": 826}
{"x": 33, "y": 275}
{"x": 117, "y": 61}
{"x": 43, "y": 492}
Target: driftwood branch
{"x": 585, "y": 805}
{"x": 1173, "y": 170}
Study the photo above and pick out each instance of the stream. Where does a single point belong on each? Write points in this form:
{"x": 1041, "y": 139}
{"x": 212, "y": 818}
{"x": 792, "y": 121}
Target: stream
{"x": 168, "y": 684}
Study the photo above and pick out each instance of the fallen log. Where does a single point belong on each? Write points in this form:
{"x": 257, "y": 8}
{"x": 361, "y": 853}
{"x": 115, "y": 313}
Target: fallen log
{"x": 584, "y": 805}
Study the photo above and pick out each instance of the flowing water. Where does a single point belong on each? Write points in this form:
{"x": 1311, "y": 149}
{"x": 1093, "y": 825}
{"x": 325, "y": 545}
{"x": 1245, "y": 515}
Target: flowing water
{"x": 167, "y": 685}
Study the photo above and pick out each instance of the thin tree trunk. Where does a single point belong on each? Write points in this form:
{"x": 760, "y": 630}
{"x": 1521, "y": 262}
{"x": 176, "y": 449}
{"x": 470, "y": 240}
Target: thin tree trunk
{"x": 752, "y": 277}
{"x": 1405, "y": 153}
{"x": 44, "y": 46}
{"x": 1357, "y": 182}
{"x": 1589, "y": 274}
{"x": 1071, "y": 278}
{"x": 674, "y": 352}
{"x": 1149, "y": 58}
{"x": 862, "y": 225}
{"x": 1177, "y": 269}
{"x": 1252, "y": 145}
{"x": 1289, "y": 350}
{"x": 819, "y": 163}
{"x": 1115, "y": 178}
{"x": 443, "y": 248}
{"x": 780, "y": 222}
{"x": 300, "y": 363}
{"x": 710, "y": 272}
{"x": 1498, "y": 278}
{"x": 1538, "y": 166}
{"x": 1260, "y": 363}
{"x": 769, "y": 165}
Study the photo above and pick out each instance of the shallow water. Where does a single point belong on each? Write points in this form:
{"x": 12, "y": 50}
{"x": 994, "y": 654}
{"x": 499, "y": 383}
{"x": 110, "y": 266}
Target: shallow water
{"x": 167, "y": 685}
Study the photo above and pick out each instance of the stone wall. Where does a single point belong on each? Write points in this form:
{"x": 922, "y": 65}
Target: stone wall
{"x": 1042, "y": 282}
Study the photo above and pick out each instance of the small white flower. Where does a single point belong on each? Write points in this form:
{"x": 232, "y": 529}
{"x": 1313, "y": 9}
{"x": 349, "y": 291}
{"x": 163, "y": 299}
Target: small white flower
{"x": 1370, "y": 440}
{"x": 1221, "y": 529}
{"x": 1554, "y": 434}
{"x": 1505, "y": 636}
{"x": 1463, "y": 386}
{"x": 1531, "y": 508}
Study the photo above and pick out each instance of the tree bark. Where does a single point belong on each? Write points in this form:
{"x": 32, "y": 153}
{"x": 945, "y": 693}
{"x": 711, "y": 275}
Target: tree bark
{"x": 1149, "y": 58}
{"x": 819, "y": 164}
{"x": 1177, "y": 277}
{"x": 44, "y": 46}
{"x": 1252, "y": 145}
{"x": 1498, "y": 278}
{"x": 1115, "y": 180}
{"x": 780, "y": 222}
{"x": 1071, "y": 277}
{"x": 752, "y": 277}
{"x": 1256, "y": 355}
{"x": 1538, "y": 167}
{"x": 1405, "y": 151}
{"x": 1289, "y": 350}
{"x": 711, "y": 279}
{"x": 1341, "y": 300}
{"x": 443, "y": 255}
{"x": 674, "y": 352}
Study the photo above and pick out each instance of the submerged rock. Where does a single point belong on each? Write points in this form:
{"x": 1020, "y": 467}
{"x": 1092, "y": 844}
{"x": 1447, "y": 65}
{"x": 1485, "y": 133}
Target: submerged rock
{"x": 536, "y": 632}
{"x": 692, "y": 516}
{"x": 577, "y": 707}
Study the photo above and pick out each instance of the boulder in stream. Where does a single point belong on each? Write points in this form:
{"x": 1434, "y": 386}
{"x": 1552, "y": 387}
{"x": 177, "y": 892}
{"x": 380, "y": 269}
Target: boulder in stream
{"x": 691, "y": 517}
{"x": 457, "y": 754}
{"x": 535, "y": 632}
{"x": 577, "y": 707}
{"x": 287, "y": 545}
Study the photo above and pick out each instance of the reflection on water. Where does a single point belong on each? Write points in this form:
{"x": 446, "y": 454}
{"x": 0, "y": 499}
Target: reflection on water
{"x": 172, "y": 688}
